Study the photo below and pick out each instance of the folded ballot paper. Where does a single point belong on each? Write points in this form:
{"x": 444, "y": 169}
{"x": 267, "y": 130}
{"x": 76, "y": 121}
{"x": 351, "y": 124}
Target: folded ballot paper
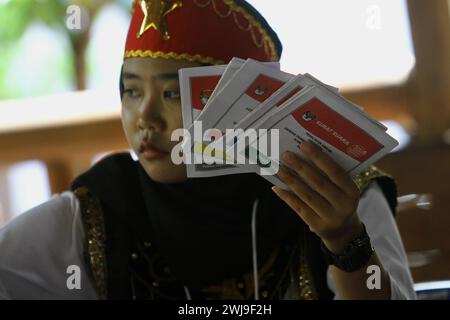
{"x": 242, "y": 116}
{"x": 199, "y": 86}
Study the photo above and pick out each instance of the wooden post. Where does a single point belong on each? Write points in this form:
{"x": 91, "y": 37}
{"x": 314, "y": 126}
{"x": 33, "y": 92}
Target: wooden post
{"x": 59, "y": 175}
{"x": 5, "y": 210}
{"x": 430, "y": 27}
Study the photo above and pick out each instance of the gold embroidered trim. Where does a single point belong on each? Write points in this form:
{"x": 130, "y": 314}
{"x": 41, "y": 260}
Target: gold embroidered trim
{"x": 306, "y": 287}
{"x": 171, "y": 55}
{"x": 220, "y": 14}
{"x": 231, "y": 288}
{"x": 266, "y": 40}
{"x": 95, "y": 230}
{"x": 247, "y": 28}
{"x": 364, "y": 178}
{"x": 202, "y": 5}
{"x": 306, "y": 290}
{"x": 242, "y": 288}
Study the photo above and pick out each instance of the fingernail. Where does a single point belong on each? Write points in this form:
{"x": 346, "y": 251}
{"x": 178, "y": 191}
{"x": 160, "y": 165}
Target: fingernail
{"x": 282, "y": 172}
{"x": 286, "y": 156}
{"x": 306, "y": 146}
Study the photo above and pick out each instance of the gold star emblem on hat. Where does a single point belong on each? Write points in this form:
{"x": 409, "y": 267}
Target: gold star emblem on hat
{"x": 155, "y": 12}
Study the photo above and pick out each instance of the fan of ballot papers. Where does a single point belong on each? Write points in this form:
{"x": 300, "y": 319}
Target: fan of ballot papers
{"x": 241, "y": 117}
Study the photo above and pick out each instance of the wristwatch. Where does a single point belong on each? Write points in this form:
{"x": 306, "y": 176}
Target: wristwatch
{"x": 356, "y": 255}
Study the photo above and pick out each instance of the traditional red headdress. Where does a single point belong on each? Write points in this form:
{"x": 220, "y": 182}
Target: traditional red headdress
{"x": 205, "y": 31}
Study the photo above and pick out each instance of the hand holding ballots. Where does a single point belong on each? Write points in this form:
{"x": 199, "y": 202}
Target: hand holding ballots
{"x": 242, "y": 116}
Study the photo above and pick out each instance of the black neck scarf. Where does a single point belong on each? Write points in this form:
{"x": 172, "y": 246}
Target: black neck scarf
{"x": 200, "y": 227}
{"x": 203, "y": 226}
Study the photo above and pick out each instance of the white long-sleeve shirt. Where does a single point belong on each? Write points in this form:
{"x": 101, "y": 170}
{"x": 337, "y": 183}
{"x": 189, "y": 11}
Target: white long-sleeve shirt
{"x": 38, "y": 247}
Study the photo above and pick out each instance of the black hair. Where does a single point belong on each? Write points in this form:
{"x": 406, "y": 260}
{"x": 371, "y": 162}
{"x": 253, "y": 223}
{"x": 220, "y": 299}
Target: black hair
{"x": 121, "y": 86}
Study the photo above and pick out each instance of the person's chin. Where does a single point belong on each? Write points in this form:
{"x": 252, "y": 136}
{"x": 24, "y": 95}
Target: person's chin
{"x": 163, "y": 172}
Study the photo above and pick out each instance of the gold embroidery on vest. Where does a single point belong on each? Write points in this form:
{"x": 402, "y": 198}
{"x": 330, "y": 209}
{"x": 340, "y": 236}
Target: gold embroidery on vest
{"x": 95, "y": 231}
{"x": 231, "y": 289}
{"x": 364, "y": 178}
{"x": 306, "y": 287}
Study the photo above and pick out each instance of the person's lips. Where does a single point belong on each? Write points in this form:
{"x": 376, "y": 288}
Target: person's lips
{"x": 149, "y": 151}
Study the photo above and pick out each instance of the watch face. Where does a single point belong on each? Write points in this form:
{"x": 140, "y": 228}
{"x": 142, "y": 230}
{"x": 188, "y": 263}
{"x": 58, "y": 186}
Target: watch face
{"x": 356, "y": 255}
{"x": 361, "y": 240}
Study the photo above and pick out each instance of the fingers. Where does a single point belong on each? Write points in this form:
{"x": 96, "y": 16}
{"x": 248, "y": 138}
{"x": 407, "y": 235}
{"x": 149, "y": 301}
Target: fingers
{"x": 321, "y": 193}
{"x": 301, "y": 208}
{"x": 330, "y": 167}
{"x": 314, "y": 178}
{"x": 307, "y": 195}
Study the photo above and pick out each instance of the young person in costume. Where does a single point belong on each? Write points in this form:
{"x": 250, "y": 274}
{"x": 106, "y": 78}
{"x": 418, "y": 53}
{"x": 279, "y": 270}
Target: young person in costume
{"x": 142, "y": 230}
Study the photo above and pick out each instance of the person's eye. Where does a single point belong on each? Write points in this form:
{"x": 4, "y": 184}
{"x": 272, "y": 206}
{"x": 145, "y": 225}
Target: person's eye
{"x": 132, "y": 93}
{"x": 172, "y": 94}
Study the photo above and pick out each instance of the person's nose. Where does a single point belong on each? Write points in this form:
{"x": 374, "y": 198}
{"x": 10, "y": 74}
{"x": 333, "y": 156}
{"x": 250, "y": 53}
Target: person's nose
{"x": 150, "y": 116}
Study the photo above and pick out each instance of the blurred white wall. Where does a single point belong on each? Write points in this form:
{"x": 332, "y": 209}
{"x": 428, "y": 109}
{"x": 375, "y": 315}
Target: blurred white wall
{"x": 346, "y": 43}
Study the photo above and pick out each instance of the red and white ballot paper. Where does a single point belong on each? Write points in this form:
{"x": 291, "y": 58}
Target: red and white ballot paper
{"x": 198, "y": 83}
{"x": 255, "y": 96}
{"x": 338, "y": 127}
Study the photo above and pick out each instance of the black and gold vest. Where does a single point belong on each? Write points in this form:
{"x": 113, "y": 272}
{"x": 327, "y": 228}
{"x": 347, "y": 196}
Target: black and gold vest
{"x": 127, "y": 262}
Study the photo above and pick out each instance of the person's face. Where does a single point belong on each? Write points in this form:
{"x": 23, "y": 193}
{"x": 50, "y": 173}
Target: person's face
{"x": 151, "y": 111}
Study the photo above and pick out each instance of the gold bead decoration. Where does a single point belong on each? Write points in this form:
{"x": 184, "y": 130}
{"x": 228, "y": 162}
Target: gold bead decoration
{"x": 147, "y": 244}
